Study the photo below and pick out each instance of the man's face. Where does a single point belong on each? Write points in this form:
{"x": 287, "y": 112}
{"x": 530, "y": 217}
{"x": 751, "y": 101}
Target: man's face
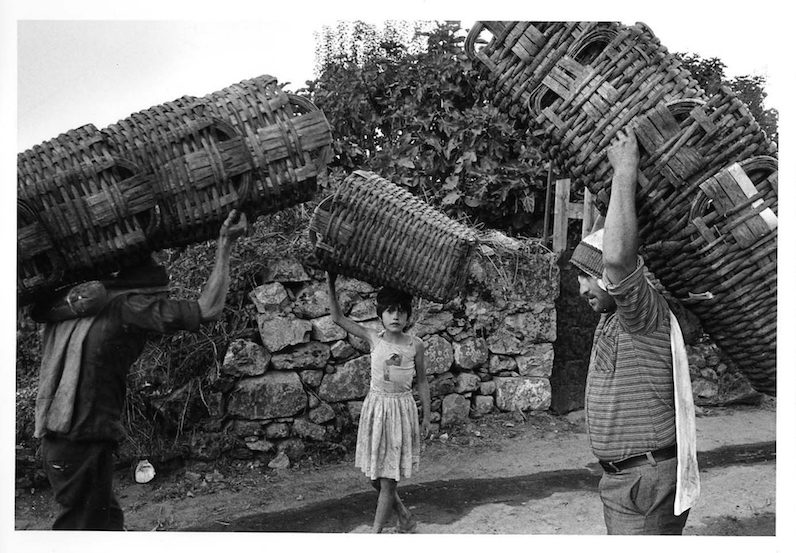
{"x": 598, "y": 299}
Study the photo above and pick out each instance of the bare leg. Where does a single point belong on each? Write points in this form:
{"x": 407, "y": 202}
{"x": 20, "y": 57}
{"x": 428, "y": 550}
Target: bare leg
{"x": 405, "y": 521}
{"x": 385, "y": 504}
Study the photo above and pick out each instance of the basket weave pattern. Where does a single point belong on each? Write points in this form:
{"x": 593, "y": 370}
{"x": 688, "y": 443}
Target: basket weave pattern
{"x": 732, "y": 232}
{"x": 374, "y": 230}
{"x": 78, "y": 206}
{"x": 91, "y": 202}
{"x": 707, "y": 194}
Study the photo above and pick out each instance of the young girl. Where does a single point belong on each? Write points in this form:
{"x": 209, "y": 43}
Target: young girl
{"x": 388, "y": 440}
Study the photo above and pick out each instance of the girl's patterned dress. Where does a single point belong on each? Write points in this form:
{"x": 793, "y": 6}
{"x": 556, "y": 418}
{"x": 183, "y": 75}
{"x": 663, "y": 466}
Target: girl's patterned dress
{"x": 388, "y": 440}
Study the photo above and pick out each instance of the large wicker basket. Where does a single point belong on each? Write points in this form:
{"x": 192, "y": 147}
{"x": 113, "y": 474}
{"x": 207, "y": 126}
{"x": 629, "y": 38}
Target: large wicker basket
{"x": 92, "y": 202}
{"x": 723, "y": 264}
{"x": 519, "y": 54}
{"x": 374, "y": 230}
{"x": 612, "y": 76}
{"x": 250, "y": 146}
{"x": 606, "y": 80}
{"x": 79, "y": 209}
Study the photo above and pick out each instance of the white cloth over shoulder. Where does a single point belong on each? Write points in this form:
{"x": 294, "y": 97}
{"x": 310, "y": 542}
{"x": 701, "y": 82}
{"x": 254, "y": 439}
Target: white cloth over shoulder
{"x": 687, "y": 490}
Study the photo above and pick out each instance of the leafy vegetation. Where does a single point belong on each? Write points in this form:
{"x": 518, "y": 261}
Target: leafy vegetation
{"x": 709, "y": 73}
{"x": 417, "y": 117}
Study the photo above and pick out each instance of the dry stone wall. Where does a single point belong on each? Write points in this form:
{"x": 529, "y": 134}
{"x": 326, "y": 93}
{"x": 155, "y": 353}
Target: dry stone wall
{"x": 305, "y": 379}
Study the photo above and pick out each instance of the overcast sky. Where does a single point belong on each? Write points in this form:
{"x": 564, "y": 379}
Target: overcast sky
{"x": 70, "y": 73}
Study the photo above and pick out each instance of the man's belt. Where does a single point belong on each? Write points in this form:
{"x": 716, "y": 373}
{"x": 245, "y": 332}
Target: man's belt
{"x": 649, "y": 457}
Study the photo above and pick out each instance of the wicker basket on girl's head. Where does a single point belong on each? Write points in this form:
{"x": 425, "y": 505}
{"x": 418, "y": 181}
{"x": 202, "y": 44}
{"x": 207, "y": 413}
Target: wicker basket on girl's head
{"x": 374, "y": 230}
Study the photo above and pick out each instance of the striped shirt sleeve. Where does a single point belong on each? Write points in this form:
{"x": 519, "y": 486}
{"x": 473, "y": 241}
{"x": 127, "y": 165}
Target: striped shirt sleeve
{"x": 640, "y": 308}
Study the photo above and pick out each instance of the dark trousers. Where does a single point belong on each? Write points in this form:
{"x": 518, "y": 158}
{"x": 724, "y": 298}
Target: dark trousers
{"x": 81, "y": 476}
{"x": 640, "y": 500}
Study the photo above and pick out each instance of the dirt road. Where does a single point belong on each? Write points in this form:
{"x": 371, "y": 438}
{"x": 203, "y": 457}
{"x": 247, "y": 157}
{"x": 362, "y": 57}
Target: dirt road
{"x": 498, "y": 475}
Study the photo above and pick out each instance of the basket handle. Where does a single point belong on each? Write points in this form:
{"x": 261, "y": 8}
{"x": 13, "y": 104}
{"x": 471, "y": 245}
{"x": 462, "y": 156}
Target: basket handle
{"x": 26, "y": 213}
{"x": 472, "y": 38}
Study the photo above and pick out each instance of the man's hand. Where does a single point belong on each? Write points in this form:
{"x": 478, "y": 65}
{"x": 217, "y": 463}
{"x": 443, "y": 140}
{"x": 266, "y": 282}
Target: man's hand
{"x": 214, "y": 292}
{"x": 234, "y": 226}
{"x": 623, "y": 152}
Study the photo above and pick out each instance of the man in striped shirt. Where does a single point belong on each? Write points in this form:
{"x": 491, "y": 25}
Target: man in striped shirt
{"x": 630, "y": 409}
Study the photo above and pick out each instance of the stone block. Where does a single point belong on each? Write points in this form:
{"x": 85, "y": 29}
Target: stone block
{"x": 455, "y": 409}
{"x": 245, "y": 358}
{"x": 312, "y": 301}
{"x": 269, "y": 297}
{"x": 439, "y": 354}
{"x": 522, "y": 393}
{"x": 442, "y": 385}
{"x": 467, "y": 382}
{"x": 281, "y": 461}
{"x": 471, "y": 353}
{"x": 280, "y": 331}
{"x": 488, "y": 388}
{"x": 243, "y": 428}
{"x": 311, "y": 378}
{"x": 538, "y": 361}
{"x": 483, "y": 404}
{"x": 303, "y": 428}
{"x": 274, "y": 394}
{"x": 350, "y": 381}
{"x": 286, "y": 269}
{"x": 363, "y": 310}
{"x": 501, "y": 363}
{"x": 322, "y": 413}
{"x": 343, "y": 351}
{"x": 431, "y": 323}
{"x": 292, "y": 447}
{"x": 535, "y": 326}
{"x": 260, "y": 445}
{"x": 310, "y": 355}
{"x": 276, "y": 430}
{"x": 324, "y": 329}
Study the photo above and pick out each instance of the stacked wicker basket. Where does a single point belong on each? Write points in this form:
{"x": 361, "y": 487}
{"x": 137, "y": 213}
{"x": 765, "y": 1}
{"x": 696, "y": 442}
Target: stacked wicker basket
{"x": 707, "y": 195}
{"x": 91, "y": 201}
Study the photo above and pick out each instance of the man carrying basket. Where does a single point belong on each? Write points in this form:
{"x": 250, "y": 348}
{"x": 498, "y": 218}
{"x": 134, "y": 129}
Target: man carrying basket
{"x": 82, "y": 380}
{"x": 639, "y": 407}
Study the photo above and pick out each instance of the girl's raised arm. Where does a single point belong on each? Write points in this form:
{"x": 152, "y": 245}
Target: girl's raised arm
{"x": 422, "y": 387}
{"x": 344, "y": 322}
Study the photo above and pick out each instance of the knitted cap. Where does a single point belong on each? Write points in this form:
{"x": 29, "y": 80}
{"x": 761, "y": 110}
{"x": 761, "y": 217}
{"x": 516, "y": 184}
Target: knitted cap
{"x": 588, "y": 254}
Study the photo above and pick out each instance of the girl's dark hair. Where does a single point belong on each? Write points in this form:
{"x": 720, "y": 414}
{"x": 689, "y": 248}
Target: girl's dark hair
{"x": 390, "y": 297}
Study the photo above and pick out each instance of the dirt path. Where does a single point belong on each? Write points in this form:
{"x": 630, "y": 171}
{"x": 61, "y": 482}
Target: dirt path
{"x": 496, "y": 475}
